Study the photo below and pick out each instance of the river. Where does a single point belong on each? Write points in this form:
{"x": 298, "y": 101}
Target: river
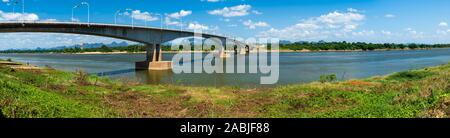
{"x": 294, "y": 67}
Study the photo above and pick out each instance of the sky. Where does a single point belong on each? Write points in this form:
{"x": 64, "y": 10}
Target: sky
{"x": 375, "y": 21}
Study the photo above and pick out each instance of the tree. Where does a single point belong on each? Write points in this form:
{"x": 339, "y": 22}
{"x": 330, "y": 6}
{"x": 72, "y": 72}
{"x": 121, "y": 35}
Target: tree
{"x": 105, "y": 48}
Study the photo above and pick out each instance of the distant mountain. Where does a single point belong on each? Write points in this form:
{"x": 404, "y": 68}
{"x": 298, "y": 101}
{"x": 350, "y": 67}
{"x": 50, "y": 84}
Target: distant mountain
{"x": 88, "y": 45}
{"x": 302, "y": 42}
{"x": 284, "y": 42}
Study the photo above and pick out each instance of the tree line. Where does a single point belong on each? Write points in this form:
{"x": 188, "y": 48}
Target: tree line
{"x": 104, "y": 48}
{"x": 315, "y": 46}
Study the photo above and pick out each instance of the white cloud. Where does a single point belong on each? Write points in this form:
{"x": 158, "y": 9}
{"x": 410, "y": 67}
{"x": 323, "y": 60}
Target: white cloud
{"x": 331, "y": 25}
{"x": 235, "y": 11}
{"x": 144, "y": 16}
{"x": 232, "y": 25}
{"x": 389, "y": 16}
{"x": 443, "y": 32}
{"x": 50, "y": 20}
{"x": 414, "y": 34}
{"x": 169, "y": 21}
{"x": 411, "y": 31}
{"x": 336, "y": 18}
{"x": 443, "y": 24}
{"x": 180, "y": 14}
{"x": 197, "y": 26}
{"x": 386, "y": 33}
{"x": 176, "y": 15}
{"x": 257, "y": 12}
{"x": 252, "y": 25}
{"x": 225, "y": 20}
{"x": 443, "y": 29}
{"x": 352, "y": 10}
{"x": 364, "y": 33}
{"x": 75, "y": 20}
{"x": 5, "y": 1}
{"x": 9, "y": 16}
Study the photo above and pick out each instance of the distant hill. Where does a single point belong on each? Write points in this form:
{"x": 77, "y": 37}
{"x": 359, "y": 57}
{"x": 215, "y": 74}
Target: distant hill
{"x": 87, "y": 45}
{"x": 285, "y": 42}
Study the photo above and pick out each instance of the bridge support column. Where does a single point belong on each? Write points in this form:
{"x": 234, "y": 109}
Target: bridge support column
{"x": 154, "y": 59}
{"x": 223, "y": 52}
{"x": 247, "y": 49}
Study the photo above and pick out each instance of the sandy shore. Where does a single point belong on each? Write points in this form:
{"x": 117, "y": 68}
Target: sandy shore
{"x": 281, "y": 51}
{"x": 15, "y": 65}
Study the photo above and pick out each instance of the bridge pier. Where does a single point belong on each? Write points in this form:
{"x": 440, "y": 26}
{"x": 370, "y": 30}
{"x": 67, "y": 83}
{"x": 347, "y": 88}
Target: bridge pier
{"x": 223, "y": 53}
{"x": 154, "y": 59}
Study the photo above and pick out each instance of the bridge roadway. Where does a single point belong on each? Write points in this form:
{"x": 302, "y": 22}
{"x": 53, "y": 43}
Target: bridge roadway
{"x": 151, "y": 37}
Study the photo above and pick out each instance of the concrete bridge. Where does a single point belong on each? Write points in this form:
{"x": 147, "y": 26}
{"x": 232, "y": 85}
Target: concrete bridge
{"x": 151, "y": 37}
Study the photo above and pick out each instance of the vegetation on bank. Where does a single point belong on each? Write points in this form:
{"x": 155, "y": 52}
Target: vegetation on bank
{"x": 104, "y": 48}
{"x": 298, "y": 46}
{"x": 317, "y": 46}
{"x": 51, "y": 93}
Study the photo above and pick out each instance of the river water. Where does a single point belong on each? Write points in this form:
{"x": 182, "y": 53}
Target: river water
{"x": 294, "y": 67}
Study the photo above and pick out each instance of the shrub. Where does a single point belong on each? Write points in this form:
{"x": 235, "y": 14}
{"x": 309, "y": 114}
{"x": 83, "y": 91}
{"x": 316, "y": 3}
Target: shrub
{"x": 327, "y": 78}
{"x": 410, "y": 75}
{"x": 81, "y": 77}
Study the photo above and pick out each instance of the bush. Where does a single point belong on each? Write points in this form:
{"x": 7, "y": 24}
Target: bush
{"x": 327, "y": 78}
{"x": 410, "y": 75}
{"x": 81, "y": 78}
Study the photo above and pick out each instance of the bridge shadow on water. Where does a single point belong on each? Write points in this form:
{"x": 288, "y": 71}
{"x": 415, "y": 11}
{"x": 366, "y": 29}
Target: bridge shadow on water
{"x": 143, "y": 76}
{"x": 169, "y": 77}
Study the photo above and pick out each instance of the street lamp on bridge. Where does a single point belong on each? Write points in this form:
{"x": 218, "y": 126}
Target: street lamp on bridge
{"x": 115, "y": 16}
{"x": 14, "y": 3}
{"x": 126, "y": 10}
{"x": 88, "y": 10}
{"x": 181, "y": 24}
{"x": 161, "y": 19}
{"x": 23, "y": 10}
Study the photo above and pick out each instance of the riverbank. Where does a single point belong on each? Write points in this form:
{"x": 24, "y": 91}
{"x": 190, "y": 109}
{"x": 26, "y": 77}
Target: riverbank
{"x": 48, "y": 93}
{"x": 281, "y": 51}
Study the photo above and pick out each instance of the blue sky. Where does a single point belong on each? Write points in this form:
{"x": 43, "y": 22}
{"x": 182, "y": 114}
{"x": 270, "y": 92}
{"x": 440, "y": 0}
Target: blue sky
{"x": 378, "y": 21}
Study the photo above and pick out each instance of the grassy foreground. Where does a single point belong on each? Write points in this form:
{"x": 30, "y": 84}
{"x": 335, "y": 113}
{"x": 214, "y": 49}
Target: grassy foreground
{"x": 57, "y": 94}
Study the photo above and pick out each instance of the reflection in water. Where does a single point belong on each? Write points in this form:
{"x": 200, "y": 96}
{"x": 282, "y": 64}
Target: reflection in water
{"x": 154, "y": 76}
{"x": 294, "y": 67}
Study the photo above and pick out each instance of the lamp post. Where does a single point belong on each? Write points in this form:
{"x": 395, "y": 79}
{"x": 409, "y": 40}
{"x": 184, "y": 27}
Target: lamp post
{"x": 145, "y": 21}
{"x": 132, "y": 17}
{"x": 88, "y": 10}
{"x": 181, "y": 23}
{"x": 14, "y": 6}
{"x": 126, "y": 10}
{"x": 73, "y": 8}
{"x": 23, "y": 9}
{"x": 115, "y": 16}
{"x": 161, "y": 25}
{"x": 161, "y": 19}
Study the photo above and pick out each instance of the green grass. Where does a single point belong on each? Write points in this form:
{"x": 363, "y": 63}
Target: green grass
{"x": 410, "y": 75}
{"x": 24, "y": 101}
{"x": 58, "y": 94}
